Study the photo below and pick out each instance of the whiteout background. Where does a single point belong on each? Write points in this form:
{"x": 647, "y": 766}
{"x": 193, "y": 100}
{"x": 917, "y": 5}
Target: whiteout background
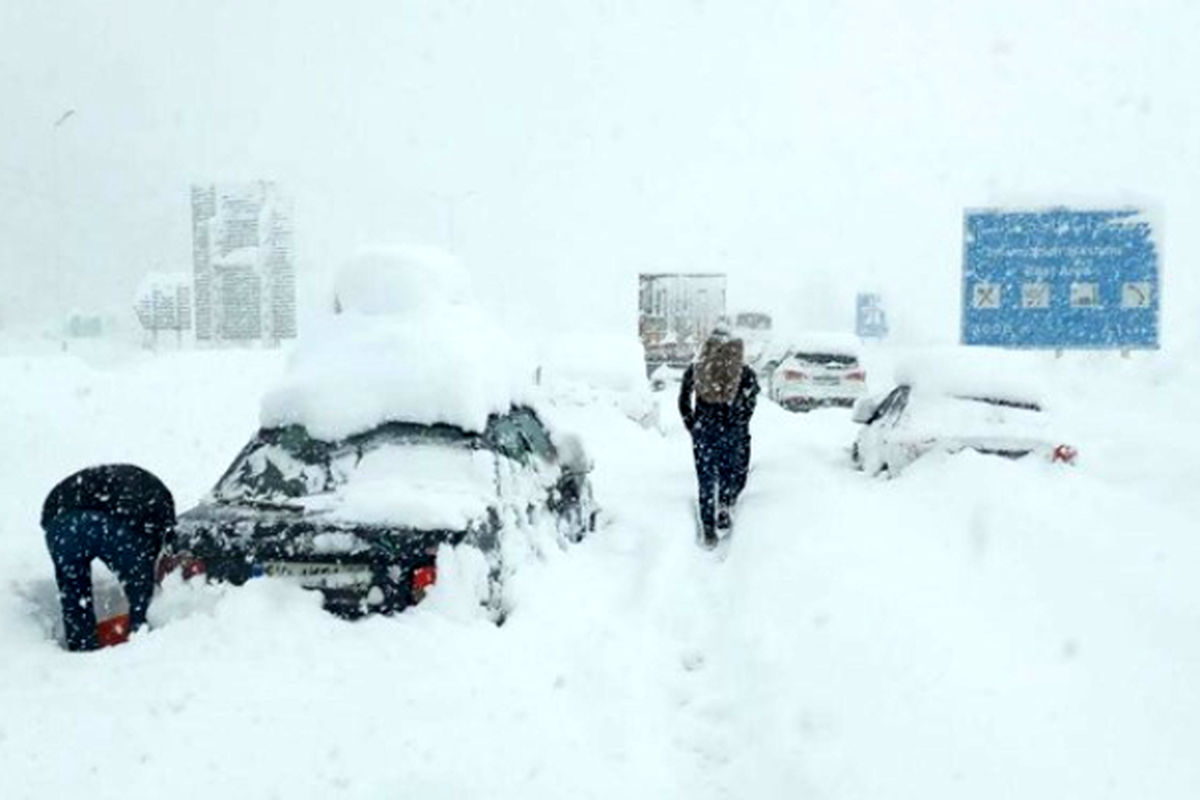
{"x": 809, "y": 149}
{"x": 975, "y": 628}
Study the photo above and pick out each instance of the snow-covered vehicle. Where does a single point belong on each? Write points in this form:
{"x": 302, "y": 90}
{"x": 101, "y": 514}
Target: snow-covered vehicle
{"x": 908, "y": 422}
{"x": 361, "y": 519}
{"x": 403, "y": 425}
{"x": 665, "y": 377}
{"x": 818, "y": 371}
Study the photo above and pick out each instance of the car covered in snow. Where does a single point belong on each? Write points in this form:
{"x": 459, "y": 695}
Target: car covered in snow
{"x": 362, "y": 518}
{"x": 909, "y": 422}
{"x": 403, "y": 426}
{"x": 817, "y": 371}
{"x": 666, "y": 377}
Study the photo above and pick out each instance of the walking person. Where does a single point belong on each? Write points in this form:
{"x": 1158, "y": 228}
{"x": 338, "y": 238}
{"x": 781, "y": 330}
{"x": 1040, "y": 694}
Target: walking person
{"x": 716, "y": 401}
{"x": 118, "y": 513}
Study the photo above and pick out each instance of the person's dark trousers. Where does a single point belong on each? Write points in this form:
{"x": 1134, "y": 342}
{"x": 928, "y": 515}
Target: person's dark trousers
{"x": 74, "y": 539}
{"x": 717, "y": 455}
{"x": 740, "y": 467}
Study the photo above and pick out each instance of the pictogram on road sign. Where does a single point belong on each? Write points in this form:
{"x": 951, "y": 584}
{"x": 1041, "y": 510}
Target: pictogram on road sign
{"x": 986, "y": 295}
{"x": 1035, "y": 295}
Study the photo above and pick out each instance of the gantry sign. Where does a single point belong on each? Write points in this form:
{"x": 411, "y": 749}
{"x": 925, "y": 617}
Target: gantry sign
{"x": 1060, "y": 278}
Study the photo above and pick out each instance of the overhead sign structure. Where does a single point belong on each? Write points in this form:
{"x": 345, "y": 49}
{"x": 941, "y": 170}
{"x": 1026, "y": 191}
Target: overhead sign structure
{"x": 1060, "y": 278}
{"x": 870, "y": 321}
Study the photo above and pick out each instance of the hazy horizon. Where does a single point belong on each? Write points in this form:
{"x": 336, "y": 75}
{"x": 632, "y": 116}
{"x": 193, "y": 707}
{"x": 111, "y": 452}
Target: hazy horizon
{"x": 807, "y": 150}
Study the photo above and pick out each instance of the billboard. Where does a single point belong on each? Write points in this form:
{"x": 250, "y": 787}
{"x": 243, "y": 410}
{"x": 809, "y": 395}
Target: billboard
{"x": 1060, "y": 278}
{"x": 164, "y": 302}
{"x": 676, "y": 311}
{"x": 870, "y": 321}
{"x": 245, "y": 283}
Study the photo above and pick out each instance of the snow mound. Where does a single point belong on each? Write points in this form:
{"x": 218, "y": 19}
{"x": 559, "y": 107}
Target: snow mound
{"x": 408, "y": 345}
{"x": 400, "y": 280}
{"x": 583, "y": 369}
{"x": 604, "y": 361}
{"x": 976, "y": 372}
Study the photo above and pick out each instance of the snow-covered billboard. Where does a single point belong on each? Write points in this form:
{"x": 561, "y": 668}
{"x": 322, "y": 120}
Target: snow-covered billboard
{"x": 1060, "y": 278}
{"x": 164, "y": 302}
{"x": 676, "y": 310}
{"x": 245, "y": 283}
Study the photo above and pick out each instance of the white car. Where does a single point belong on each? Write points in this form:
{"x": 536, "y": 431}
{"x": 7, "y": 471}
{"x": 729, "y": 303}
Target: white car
{"x": 666, "y": 377}
{"x": 908, "y": 422}
{"x": 823, "y": 374}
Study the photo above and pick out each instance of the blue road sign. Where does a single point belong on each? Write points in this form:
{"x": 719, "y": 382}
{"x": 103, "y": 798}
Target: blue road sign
{"x": 1060, "y": 278}
{"x": 870, "y": 321}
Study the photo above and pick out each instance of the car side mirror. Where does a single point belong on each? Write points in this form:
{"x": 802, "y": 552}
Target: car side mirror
{"x": 572, "y": 455}
{"x": 864, "y": 409}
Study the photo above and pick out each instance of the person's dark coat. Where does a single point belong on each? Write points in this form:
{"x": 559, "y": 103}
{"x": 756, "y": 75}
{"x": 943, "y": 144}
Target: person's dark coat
{"x": 125, "y": 492}
{"x": 725, "y": 416}
{"x": 119, "y": 514}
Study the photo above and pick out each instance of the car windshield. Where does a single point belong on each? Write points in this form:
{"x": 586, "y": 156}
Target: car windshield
{"x": 283, "y": 465}
{"x": 828, "y": 359}
{"x": 754, "y": 321}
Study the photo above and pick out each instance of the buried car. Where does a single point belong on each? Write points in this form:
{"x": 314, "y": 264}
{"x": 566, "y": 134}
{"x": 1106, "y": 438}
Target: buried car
{"x": 361, "y": 518}
{"x": 908, "y": 422}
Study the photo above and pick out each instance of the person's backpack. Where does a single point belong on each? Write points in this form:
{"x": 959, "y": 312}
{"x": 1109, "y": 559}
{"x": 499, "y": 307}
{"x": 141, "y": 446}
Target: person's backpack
{"x": 719, "y": 370}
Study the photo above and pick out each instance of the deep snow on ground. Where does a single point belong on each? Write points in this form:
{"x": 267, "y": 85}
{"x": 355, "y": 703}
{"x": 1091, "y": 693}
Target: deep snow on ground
{"x": 975, "y": 628}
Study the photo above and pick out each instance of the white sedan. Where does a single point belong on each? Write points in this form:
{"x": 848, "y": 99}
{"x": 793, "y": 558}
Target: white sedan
{"x": 812, "y": 377}
{"x": 908, "y": 422}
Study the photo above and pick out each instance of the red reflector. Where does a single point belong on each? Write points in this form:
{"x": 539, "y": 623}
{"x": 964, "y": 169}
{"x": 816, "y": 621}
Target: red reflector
{"x": 113, "y": 630}
{"x": 422, "y": 579}
{"x": 1065, "y": 454}
{"x": 793, "y": 375}
{"x": 856, "y": 376}
{"x": 188, "y": 566}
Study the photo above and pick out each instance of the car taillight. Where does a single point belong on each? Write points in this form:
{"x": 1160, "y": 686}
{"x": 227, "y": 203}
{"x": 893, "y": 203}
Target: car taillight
{"x": 795, "y": 375}
{"x": 422, "y": 579}
{"x": 188, "y": 565}
{"x": 1064, "y": 454}
{"x": 857, "y": 375}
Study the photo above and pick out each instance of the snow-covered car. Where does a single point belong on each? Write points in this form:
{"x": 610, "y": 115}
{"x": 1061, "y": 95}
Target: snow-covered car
{"x": 822, "y": 373}
{"x": 402, "y": 427}
{"x": 666, "y": 377}
{"x": 908, "y": 422}
{"x": 361, "y": 519}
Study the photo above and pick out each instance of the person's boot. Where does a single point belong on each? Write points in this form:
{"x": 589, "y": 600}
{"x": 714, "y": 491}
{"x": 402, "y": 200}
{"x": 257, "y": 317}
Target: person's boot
{"x": 724, "y": 520}
{"x": 710, "y": 534}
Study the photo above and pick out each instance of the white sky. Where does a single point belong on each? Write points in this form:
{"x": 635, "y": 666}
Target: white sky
{"x": 809, "y": 149}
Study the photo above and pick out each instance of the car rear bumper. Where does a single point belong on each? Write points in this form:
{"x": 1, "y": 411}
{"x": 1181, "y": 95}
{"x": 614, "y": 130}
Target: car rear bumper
{"x": 842, "y": 394}
{"x": 349, "y": 588}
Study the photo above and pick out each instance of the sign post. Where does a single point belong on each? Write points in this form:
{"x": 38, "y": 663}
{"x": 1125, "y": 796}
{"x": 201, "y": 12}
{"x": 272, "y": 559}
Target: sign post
{"x": 1060, "y": 279}
{"x": 870, "y": 321}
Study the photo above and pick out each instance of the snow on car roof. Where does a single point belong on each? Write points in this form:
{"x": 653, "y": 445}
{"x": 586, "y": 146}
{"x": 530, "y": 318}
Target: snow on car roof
{"x": 829, "y": 342}
{"x": 975, "y": 372}
{"x": 406, "y": 342}
{"x": 936, "y": 414}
